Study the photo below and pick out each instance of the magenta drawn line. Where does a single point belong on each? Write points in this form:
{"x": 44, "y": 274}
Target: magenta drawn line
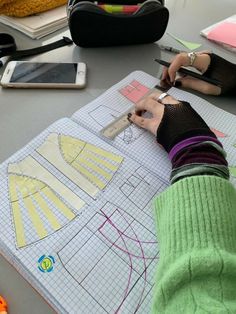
{"x": 127, "y": 252}
{"x": 122, "y": 233}
{"x": 146, "y": 242}
{"x": 129, "y": 278}
{"x": 122, "y": 249}
{"x": 133, "y": 239}
{"x": 144, "y": 261}
{"x": 130, "y": 273}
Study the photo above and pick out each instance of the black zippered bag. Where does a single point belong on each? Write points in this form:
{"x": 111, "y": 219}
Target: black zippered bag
{"x": 91, "y": 26}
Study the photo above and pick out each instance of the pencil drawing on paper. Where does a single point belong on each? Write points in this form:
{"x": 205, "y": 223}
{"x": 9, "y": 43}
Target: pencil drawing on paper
{"x": 104, "y": 115}
{"x": 139, "y": 188}
{"x": 110, "y": 251}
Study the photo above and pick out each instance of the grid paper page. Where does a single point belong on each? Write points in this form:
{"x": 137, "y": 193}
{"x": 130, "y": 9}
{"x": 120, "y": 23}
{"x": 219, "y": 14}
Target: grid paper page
{"x": 138, "y": 143}
{"x": 101, "y": 256}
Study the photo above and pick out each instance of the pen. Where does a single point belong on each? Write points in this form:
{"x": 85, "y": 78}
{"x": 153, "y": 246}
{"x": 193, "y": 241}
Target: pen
{"x": 170, "y": 49}
{"x": 3, "y": 306}
{"x": 191, "y": 73}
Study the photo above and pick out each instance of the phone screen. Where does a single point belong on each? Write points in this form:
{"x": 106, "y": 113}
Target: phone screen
{"x": 27, "y": 72}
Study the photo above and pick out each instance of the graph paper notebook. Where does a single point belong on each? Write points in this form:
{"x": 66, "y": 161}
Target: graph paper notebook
{"x": 76, "y": 210}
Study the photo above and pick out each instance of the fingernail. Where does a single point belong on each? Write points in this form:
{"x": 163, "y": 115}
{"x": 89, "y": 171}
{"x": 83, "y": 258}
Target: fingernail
{"x": 177, "y": 84}
{"x": 129, "y": 116}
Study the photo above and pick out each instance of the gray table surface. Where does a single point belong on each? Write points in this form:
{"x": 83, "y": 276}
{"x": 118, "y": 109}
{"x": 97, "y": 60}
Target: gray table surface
{"x": 25, "y": 113}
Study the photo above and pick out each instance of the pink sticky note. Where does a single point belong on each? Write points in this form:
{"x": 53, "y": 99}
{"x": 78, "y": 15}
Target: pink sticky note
{"x": 124, "y": 91}
{"x": 224, "y": 33}
{"x": 134, "y": 91}
{"x": 218, "y": 133}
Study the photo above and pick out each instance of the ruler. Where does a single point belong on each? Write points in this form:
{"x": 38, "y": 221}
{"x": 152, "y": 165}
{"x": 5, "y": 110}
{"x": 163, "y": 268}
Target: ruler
{"x": 117, "y": 126}
{"x": 121, "y": 123}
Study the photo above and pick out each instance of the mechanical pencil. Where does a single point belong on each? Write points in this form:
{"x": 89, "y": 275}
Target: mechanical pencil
{"x": 191, "y": 73}
{"x": 170, "y": 49}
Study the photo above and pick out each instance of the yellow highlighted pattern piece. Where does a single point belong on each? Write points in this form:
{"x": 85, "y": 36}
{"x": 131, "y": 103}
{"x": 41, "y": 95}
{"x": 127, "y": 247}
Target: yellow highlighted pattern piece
{"x": 50, "y": 150}
{"x": 104, "y": 153}
{"x": 59, "y": 204}
{"x": 95, "y": 168}
{"x": 30, "y": 167}
{"x": 96, "y": 164}
{"x": 19, "y": 227}
{"x": 90, "y": 176}
{"x": 47, "y": 211}
{"x": 35, "y": 218}
{"x": 87, "y": 155}
{"x": 88, "y": 166}
{"x": 30, "y": 195}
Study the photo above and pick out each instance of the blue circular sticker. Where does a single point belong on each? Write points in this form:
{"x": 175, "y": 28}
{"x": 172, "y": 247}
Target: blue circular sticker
{"x": 46, "y": 263}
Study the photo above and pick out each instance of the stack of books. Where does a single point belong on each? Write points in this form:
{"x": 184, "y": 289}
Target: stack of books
{"x": 38, "y": 25}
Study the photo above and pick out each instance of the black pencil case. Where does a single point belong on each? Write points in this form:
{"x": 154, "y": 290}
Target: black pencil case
{"x": 92, "y": 26}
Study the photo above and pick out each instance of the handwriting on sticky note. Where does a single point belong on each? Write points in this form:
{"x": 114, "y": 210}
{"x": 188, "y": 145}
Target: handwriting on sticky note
{"x": 224, "y": 33}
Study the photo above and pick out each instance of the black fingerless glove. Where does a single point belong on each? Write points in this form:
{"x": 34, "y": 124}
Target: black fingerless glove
{"x": 222, "y": 71}
{"x": 180, "y": 122}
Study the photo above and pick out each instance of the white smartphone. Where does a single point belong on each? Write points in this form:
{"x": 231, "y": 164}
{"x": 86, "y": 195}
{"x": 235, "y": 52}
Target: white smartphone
{"x": 25, "y": 74}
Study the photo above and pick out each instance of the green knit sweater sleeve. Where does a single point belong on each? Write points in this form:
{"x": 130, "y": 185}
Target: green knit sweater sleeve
{"x": 196, "y": 226}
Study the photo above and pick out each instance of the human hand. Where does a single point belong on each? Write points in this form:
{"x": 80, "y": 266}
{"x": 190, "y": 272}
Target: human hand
{"x": 201, "y": 62}
{"x": 155, "y": 108}
{"x": 171, "y": 120}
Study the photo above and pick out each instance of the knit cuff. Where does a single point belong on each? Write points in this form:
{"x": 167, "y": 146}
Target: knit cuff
{"x": 196, "y": 213}
{"x": 199, "y": 169}
{"x": 197, "y": 140}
